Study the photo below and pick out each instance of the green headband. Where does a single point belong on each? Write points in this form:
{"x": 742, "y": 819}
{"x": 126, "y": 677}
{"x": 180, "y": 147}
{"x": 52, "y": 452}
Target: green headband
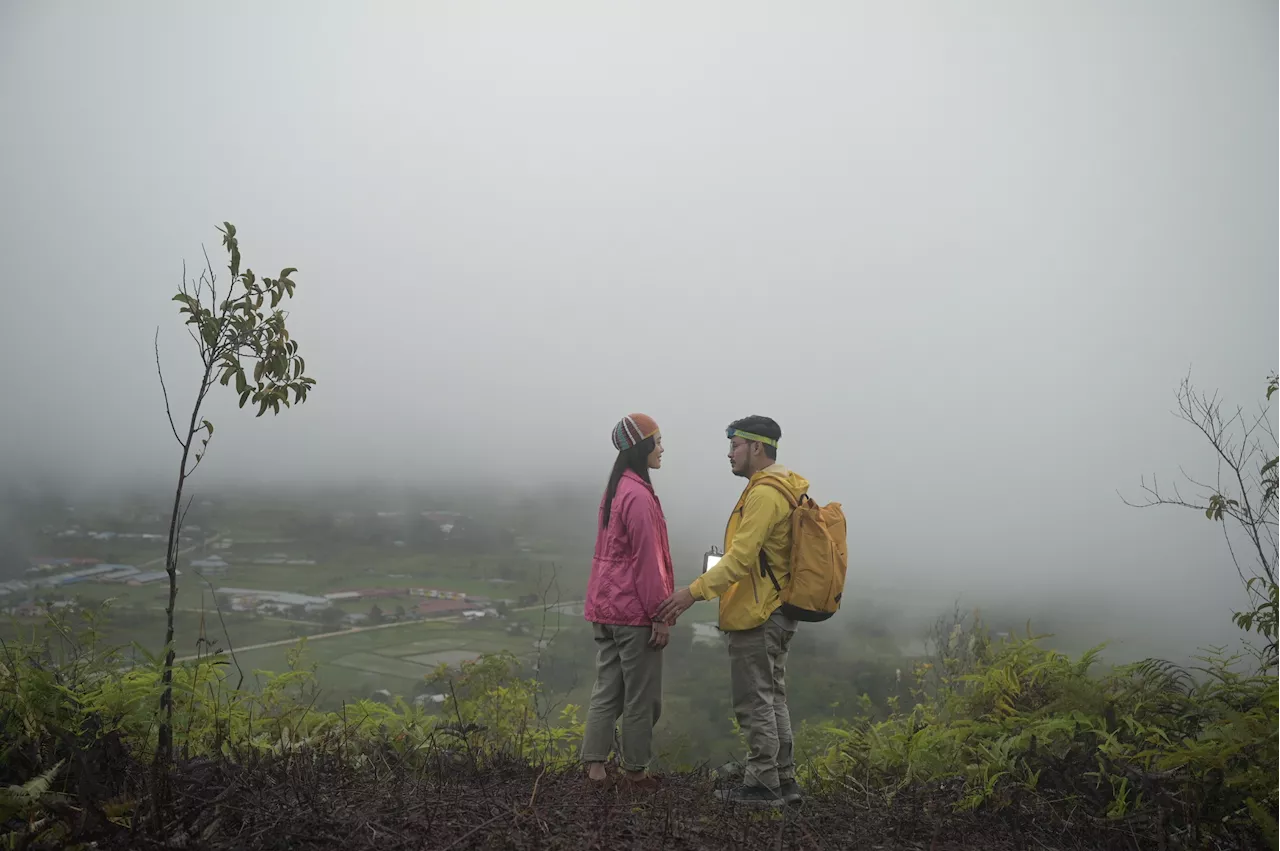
{"x": 746, "y": 435}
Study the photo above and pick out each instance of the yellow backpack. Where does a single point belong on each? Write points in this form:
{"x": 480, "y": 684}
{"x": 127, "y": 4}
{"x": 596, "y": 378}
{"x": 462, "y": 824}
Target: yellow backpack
{"x": 819, "y": 558}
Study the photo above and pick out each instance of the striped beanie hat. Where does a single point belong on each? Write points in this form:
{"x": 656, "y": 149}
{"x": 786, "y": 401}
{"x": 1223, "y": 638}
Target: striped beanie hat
{"x": 633, "y": 429}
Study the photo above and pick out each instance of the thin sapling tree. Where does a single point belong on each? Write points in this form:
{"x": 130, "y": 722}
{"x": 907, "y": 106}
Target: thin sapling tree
{"x": 241, "y": 338}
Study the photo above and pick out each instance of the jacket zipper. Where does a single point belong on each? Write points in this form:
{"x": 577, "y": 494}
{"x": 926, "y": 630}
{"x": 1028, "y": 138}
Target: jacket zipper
{"x": 739, "y": 510}
{"x": 755, "y": 595}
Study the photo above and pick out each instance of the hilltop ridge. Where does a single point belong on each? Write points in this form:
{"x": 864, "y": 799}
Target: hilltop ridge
{"x": 318, "y": 800}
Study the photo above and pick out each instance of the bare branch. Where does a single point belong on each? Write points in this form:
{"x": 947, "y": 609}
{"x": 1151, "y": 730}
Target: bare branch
{"x": 195, "y": 466}
{"x": 1265, "y": 422}
{"x": 1188, "y": 477}
{"x": 1240, "y": 493}
{"x": 168, "y": 411}
{"x": 1226, "y": 535}
{"x": 553, "y": 582}
{"x": 213, "y": 276}
{"x": 206, "y": 385}
{"x": 183, "y": 519}
{"x": 1156, "y": 498}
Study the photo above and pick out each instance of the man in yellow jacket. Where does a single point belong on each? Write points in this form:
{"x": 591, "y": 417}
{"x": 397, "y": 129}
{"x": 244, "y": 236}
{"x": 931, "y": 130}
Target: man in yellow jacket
{"x": 756, "y": 633}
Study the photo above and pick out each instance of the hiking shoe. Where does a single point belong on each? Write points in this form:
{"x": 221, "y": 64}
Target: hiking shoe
{"x": 751, "y": 795}
{"x": 790, "y": 792}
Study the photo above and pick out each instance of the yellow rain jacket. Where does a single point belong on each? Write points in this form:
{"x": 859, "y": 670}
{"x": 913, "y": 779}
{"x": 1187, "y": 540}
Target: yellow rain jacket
{"x": 761, "y": 519}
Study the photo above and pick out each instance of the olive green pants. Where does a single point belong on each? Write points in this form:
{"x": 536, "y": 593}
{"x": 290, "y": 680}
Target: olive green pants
{"x": 757, "y": 672}
{"x": 628, "y": 684}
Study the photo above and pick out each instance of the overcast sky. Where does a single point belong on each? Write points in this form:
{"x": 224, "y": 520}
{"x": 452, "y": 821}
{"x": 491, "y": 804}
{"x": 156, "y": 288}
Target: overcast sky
{"x": 962, "y": 252}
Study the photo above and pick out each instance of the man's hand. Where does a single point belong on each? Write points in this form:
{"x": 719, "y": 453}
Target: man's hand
{"x": 661, "y": 635}
{"x": 675, "y": 605}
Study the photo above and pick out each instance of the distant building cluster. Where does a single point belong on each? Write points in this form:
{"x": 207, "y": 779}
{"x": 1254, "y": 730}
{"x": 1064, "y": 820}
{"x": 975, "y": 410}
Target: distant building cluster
{"x": 213, "y": 565}
{"x": 111, "y": 536}
{"x": 33, "y": 609}
{"x": 13, "y": 586}
{"x": 281, "y": 558}
{"x": 428, "y": 608}
{"x": 51, "y": 563}
{"x": 437, "y": 602}
{"x": 247, "y": 600}
{"x": 42, "y": 578}
{"x": 475, "y": 614}
{"x": 41, "y": 567}
{"x": 370, "y": 593}
{"x": 80, "y": 533}
{"x": 436, "y": 594}
{"x": 48, "y": 572}
{"x": 446, "y": 520}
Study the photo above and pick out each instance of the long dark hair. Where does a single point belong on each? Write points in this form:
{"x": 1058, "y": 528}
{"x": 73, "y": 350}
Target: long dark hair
{"x": 635, "y": 459}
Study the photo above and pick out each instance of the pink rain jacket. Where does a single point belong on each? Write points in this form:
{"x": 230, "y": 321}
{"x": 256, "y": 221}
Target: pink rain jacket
{"x": 631, "y": 573}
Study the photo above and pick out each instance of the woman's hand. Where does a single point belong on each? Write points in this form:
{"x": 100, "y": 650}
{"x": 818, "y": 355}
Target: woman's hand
{"x": 661, "y": 635}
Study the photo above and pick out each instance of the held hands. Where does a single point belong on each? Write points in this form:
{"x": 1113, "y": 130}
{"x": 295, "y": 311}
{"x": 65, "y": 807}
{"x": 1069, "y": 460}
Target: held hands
{"x": 661, "y": 635}
{"x": 675, "y": 605}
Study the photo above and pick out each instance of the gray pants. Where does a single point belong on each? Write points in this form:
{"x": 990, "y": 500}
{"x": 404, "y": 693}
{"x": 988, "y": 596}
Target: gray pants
{"x": 628, "y": 683}
{"x": 757, "y": 670}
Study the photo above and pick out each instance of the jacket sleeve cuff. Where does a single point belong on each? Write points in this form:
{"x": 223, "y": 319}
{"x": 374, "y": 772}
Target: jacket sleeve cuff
{"x": 698, "y": 591}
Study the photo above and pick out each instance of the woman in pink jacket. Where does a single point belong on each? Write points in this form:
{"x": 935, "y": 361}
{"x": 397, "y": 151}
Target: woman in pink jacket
{"x": 631, "y": 574}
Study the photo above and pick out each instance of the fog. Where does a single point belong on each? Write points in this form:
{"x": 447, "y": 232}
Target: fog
{"x": 962, "y": 253}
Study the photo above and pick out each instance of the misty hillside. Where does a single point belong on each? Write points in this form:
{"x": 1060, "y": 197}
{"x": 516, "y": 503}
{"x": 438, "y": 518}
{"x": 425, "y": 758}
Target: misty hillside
{"x": 325, "y": 328}
{"x": 1006, "y": 240}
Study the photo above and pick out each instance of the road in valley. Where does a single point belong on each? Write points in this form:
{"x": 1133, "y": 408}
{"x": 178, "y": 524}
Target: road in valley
{"x": 287, "y": 641}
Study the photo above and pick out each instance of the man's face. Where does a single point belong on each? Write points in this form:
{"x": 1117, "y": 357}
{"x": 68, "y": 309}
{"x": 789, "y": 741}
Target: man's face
{"x": 740, "y": 457}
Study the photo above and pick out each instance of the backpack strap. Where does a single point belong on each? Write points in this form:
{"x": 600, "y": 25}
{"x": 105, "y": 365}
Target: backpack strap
{"x": 765, "y": 569}
{"x": 772, "y": 481}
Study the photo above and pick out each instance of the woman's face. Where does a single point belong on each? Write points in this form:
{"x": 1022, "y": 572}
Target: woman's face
{"x": 655, "y": 457}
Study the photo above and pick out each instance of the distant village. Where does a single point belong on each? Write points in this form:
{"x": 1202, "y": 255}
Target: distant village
{"x": 41, "y": 579}
{"x": 421, "y": 603}
{"x": 35, "y": 595}
{"x": 48, "y": 583}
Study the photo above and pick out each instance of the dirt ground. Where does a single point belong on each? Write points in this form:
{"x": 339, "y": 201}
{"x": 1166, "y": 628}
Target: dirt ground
{"x": 317, "y": 802}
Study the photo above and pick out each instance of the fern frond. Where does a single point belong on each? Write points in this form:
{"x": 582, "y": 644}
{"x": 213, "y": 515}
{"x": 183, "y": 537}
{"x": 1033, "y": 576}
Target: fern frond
{"x": 20, "y": 799}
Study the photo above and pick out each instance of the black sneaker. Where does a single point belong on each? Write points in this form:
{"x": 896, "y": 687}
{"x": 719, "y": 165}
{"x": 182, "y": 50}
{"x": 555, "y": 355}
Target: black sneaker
{"x": 752, "y": 795}
{"x": 790, "y": 792}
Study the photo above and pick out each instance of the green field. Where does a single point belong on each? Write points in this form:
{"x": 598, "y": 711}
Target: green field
{"x": 378, "y": 568}
{"x": 350, "y": 665}
{"x": 396, "y": 658}
{"x": 122, "y": 627}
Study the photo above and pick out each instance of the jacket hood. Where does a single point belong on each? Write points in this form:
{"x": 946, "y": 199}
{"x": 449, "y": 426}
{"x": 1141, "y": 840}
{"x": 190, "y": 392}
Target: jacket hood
{"x": 796, "y": 483}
